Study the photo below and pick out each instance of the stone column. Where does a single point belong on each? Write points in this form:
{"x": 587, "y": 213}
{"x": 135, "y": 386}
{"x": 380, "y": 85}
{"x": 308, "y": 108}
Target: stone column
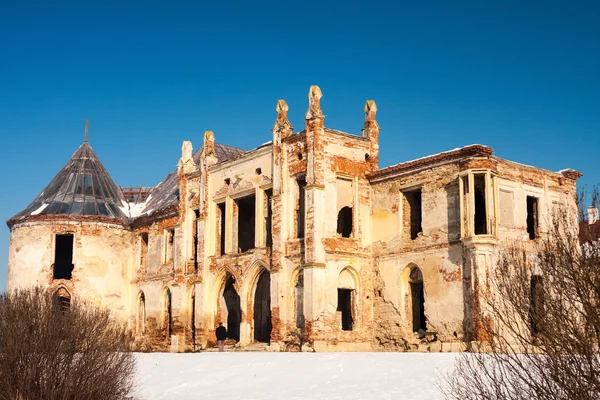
{"x": 281, "y": 130}
{"x": 314, "y": 265}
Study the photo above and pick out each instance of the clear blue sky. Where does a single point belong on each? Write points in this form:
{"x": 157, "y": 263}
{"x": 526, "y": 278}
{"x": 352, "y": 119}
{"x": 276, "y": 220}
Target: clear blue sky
{"x": 522, "y": 77}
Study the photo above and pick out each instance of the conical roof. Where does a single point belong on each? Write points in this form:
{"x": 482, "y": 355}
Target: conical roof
{"x": 82, "y": 187}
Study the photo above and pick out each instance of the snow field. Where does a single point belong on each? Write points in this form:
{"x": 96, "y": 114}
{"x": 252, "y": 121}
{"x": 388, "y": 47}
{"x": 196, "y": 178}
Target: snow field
{"x": 287, "y": 376}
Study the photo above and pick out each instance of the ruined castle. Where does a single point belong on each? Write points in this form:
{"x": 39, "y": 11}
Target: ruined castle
{"x": 303, "y": 243}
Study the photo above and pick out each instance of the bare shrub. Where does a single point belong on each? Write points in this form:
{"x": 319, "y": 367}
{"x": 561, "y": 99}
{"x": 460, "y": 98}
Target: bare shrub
{"x": 545, "y": 308}
{"x": 51, "y": 351}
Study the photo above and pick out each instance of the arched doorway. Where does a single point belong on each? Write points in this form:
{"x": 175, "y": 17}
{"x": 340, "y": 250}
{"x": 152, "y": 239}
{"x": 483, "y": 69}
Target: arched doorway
{"x": 230, "y": 310}
{"x": 346, "y": 298}
{"x": 417, "y": 294}
{"x": 168, "y": 313}
{"x": 262, "y": 308}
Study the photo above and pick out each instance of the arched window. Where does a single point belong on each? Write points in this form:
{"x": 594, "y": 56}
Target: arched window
{"x": 346, "y": 296}
{"x": 417, "y": 295}
{"x": 344, "y": 222}
{"x": 141, "y": 314}
{"x": 63, "y": 299}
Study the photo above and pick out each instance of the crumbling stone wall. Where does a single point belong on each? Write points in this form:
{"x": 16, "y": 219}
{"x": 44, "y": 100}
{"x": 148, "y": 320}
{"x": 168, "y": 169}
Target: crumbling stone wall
{"x": 370, "y": 263}
{"x": 102, "y": 255}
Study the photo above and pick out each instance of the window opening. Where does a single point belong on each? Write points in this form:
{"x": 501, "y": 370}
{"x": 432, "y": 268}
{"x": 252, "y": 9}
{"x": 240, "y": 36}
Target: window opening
{"x": 300, "y": 207}
{"x": 195, "y": 250}
{"x": 246, "y": 223}
{"x": 345, "y": 204}
{"x": 345, "y": 306}
{"x": 169, "y": 245}
{"x": 63, "y": 300}
{"x": 532, "y": 217}
{"x": 142, "y": 314}
{"x": 418, "y": 300}
{"x": 63, "y": 257}
{"x": 269, "y": 218}
{"x": 480, "y": 205}
{"x": 344, "y": 222}
{"x": 415, "y": 215}
{"x": 221, "y": 207}
{"x": 168, "y": 313}
{"x": 143, "y": 250}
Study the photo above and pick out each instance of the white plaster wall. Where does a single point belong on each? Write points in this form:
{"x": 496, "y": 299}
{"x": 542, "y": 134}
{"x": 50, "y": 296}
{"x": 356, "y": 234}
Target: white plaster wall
{"x": 102, "y": 255}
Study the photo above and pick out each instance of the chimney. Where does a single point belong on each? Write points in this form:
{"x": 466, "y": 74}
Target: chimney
{"x": 592, "y": 215}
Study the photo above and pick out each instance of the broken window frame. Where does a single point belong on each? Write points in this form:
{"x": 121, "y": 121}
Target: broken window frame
{"x": 61, "y": 269}
{"x": 62, "y": 300}
{"x": 412, "y": 197}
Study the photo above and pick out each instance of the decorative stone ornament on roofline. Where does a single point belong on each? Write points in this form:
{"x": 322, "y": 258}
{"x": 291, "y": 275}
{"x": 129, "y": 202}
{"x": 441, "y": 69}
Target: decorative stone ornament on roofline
{"x": 314, "y": 103}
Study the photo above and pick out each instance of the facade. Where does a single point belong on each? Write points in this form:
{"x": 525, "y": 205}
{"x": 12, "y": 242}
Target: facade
{"x": 303, "y": 243}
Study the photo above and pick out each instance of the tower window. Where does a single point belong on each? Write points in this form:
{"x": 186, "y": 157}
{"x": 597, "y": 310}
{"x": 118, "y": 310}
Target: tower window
{"x": 532, "y": 217}
{"x": 63, "y": 256}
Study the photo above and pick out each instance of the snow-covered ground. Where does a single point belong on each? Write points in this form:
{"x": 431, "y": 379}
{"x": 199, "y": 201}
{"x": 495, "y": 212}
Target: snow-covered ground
{"x": 238, "y": 375}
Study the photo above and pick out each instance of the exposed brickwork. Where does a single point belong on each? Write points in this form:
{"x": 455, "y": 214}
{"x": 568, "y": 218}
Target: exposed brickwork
{"x": 374, "y": 264}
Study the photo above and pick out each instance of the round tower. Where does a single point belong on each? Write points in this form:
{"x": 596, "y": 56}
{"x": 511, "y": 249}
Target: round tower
{"x": 73, "y": 239}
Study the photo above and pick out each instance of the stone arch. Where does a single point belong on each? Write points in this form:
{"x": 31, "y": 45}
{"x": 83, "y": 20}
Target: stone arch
{"x": 227, "y": 302}
{"x": 257, "y": 290}
{"x": 62, "y": 297}
{"x": 347, "y": 292}
{"x": 413, "y": 289}
{"x": 220, "y": 281}
{"x": 167, "y": 311}
{"x": 140, "y": 320}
